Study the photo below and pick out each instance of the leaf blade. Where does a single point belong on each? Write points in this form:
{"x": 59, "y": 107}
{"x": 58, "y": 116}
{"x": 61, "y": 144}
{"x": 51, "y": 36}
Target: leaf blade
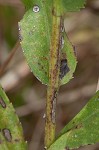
{"x": 82, "y": 130}
{"x": 11, "y": 135}
{"x": 36, "y": 41}
{"x": 35, "y": 31}
{"x": 69, "y": 52}
{"x": 65, "y": 6}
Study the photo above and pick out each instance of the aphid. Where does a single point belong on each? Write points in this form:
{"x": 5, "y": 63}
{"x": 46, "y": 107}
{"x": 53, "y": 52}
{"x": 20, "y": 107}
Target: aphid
{"x": 64, "y": 69}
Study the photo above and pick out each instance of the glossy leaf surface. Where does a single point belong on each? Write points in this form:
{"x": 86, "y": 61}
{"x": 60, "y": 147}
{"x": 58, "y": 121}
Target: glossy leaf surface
{"x": 82, "y": 130}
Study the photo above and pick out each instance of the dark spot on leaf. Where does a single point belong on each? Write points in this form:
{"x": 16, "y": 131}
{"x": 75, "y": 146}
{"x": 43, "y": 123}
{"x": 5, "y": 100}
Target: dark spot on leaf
{"x": 75, "y": 52}
{"x": 7, "y": 134}
{"x": 20, "y": 37}
{"x": 64, "y": 69}
{"x": 67, "y": 148}
{"x": 73, "y": 122}
{"x": 17, "y": 140}
{"x": 2, "y": 103}
{"x": 79, "y": 126}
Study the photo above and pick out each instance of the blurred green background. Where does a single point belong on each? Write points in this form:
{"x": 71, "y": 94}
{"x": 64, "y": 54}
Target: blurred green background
{"x": 26, "y": 93}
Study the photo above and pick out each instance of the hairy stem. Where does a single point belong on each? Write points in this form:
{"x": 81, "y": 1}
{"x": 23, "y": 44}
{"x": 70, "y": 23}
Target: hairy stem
{"x": 52, "y": 90}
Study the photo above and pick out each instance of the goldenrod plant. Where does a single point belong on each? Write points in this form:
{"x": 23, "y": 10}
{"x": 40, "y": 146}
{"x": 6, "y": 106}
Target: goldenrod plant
{"x": 51, "y": 57}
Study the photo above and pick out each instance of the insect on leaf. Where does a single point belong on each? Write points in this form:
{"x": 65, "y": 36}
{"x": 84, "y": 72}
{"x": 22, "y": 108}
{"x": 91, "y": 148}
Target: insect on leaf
{"x": 82, "y": 130}
{"x": 11, "y": 133}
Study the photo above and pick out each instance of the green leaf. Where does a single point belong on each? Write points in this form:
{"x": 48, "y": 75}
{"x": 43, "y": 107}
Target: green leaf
{"x": 73, "y": 5}
{"x": 36, "y": 41}
{"x": 28, "y": 3}
{"x": 82, "y": 130}
{"x": 35, "y": 32}
{"x": 68, "y": 53}
{"x": 11, "y": 133}
{"x": 69, "y": 6}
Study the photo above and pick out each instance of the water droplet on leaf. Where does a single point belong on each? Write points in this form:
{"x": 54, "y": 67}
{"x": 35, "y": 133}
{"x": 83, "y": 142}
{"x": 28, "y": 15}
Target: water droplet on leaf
{"x": 36, "y": 9}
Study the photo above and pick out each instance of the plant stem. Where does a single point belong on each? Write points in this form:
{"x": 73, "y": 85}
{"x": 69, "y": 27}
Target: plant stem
{"x": 6, "y": 63}
{"x": 52, "y": 90}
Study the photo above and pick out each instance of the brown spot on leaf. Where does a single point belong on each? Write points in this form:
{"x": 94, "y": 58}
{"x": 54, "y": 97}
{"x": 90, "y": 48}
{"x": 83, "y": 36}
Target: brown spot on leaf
{"x": 20, "y": 37}
{"x": 79, "y": 126}
{"x": 17, "y": 140}
{"x": 2, "y": 103}
{"x": 67, "y": 148}
{"x": 75, "y": 52}
{"x": 7, "y": 134}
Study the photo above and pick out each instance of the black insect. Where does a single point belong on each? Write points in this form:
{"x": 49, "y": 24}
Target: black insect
{"x": 64, "y": 69}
